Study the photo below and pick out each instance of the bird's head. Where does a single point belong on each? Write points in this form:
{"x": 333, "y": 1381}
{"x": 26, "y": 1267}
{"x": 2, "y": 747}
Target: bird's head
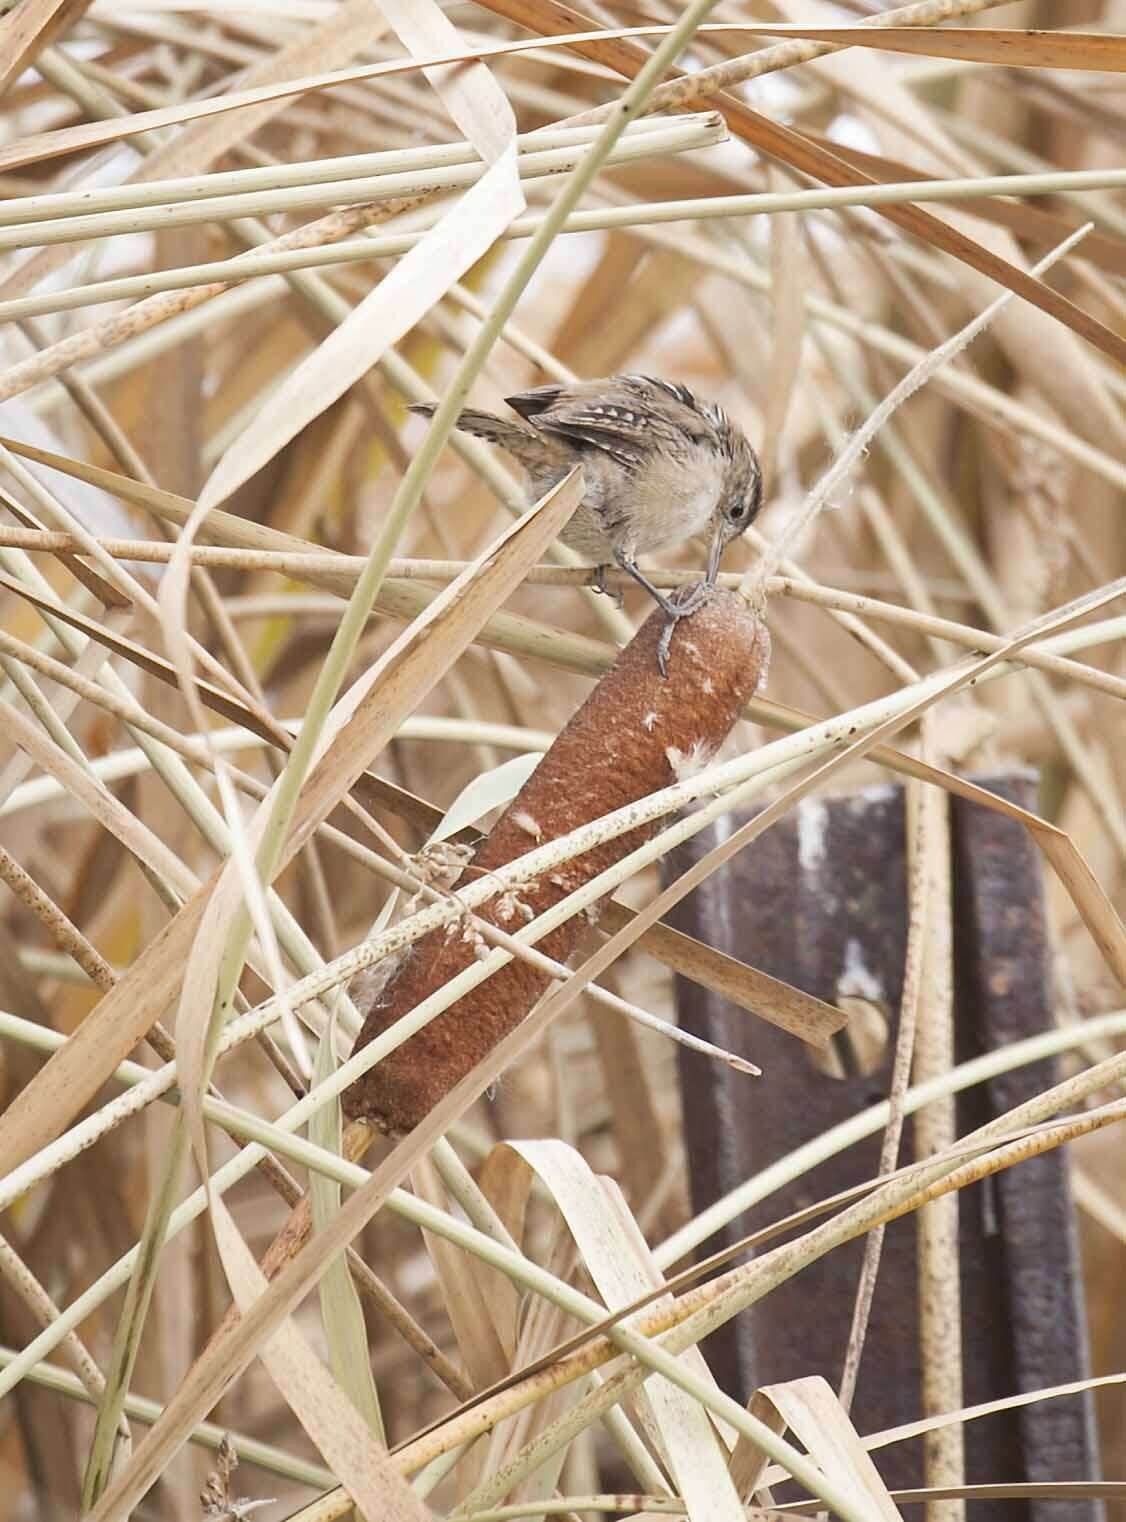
{"x": 741, "y": 493}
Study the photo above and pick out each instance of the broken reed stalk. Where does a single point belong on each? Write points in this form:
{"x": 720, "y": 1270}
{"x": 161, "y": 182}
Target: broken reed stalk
{"x": 629, "y": 739}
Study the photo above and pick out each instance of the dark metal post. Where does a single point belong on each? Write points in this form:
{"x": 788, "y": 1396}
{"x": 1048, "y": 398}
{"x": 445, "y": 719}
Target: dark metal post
{"x": 821, "y": 901}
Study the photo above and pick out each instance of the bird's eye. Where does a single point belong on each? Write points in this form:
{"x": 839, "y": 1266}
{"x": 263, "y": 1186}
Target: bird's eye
{"x": 738, "y": 511}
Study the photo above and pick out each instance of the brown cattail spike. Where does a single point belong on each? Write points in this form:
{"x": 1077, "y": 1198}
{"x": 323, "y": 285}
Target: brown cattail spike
{"x": 631, "y": 737}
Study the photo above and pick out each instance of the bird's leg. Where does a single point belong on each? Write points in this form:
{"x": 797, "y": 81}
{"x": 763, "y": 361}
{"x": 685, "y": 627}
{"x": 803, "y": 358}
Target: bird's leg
{"x": 674, "y": 608}
{"x": 615, "y": 596}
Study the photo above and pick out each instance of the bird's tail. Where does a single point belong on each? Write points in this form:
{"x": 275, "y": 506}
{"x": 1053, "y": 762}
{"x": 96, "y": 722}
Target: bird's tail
{"x": 483, "y": 425}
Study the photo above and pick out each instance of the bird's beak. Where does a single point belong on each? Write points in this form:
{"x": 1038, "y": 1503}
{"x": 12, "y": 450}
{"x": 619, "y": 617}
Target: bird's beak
{"x": 715, "y": 554}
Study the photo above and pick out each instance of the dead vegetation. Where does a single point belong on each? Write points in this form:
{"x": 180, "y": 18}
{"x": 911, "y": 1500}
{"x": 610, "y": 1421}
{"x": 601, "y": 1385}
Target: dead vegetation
{"x": 267, "y": 640}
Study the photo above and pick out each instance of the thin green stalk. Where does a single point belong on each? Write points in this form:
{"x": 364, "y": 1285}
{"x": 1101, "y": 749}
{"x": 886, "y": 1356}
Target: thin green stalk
{"x": 207, "y": 1435}
{"x": 130, "y": 1324}
{"x": 342, "y": 1316}
{"x": 608, "y": 218}
{"x": 337, "y": 170}
{"x": 300, "y": 194}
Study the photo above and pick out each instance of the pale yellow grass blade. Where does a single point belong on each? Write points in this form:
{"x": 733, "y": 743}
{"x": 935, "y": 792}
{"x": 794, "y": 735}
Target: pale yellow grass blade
{"x": 812, "y": 1412}
{"x": 28, "y": 28}
{"x": 330, "y": 1419}
{"x": 417, "y": 282}
{"x": 615, "y": 1253}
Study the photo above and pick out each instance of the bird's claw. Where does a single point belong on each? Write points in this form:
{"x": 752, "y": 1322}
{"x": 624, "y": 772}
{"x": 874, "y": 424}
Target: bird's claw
{"x": 616, "y": 596}
{"x": 682, "y": 605}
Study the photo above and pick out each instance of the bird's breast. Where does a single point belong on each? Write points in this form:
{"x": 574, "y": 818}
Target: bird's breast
{"x": 674, "y": 500}
{"x": 662, "y": 501}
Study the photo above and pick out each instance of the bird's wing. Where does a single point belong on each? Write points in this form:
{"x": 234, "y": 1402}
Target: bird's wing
{"x": 605, "y": 415}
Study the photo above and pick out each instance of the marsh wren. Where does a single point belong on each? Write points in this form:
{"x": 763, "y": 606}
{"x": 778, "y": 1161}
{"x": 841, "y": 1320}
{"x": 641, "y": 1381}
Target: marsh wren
{"x": 660, "y": 466}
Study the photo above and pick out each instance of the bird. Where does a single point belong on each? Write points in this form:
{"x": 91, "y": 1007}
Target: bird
{"x": 660, "y": 466}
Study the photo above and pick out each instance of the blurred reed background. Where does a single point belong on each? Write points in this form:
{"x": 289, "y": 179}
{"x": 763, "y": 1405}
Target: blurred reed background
{"x": 993, "y": 496}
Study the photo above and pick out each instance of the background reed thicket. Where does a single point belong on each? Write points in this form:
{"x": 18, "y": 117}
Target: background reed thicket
{"x": 384, "y": 263}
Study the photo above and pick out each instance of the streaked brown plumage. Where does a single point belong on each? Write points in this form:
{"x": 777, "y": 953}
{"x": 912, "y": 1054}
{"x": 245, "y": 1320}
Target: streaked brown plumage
{"x": 660, "y": 466}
